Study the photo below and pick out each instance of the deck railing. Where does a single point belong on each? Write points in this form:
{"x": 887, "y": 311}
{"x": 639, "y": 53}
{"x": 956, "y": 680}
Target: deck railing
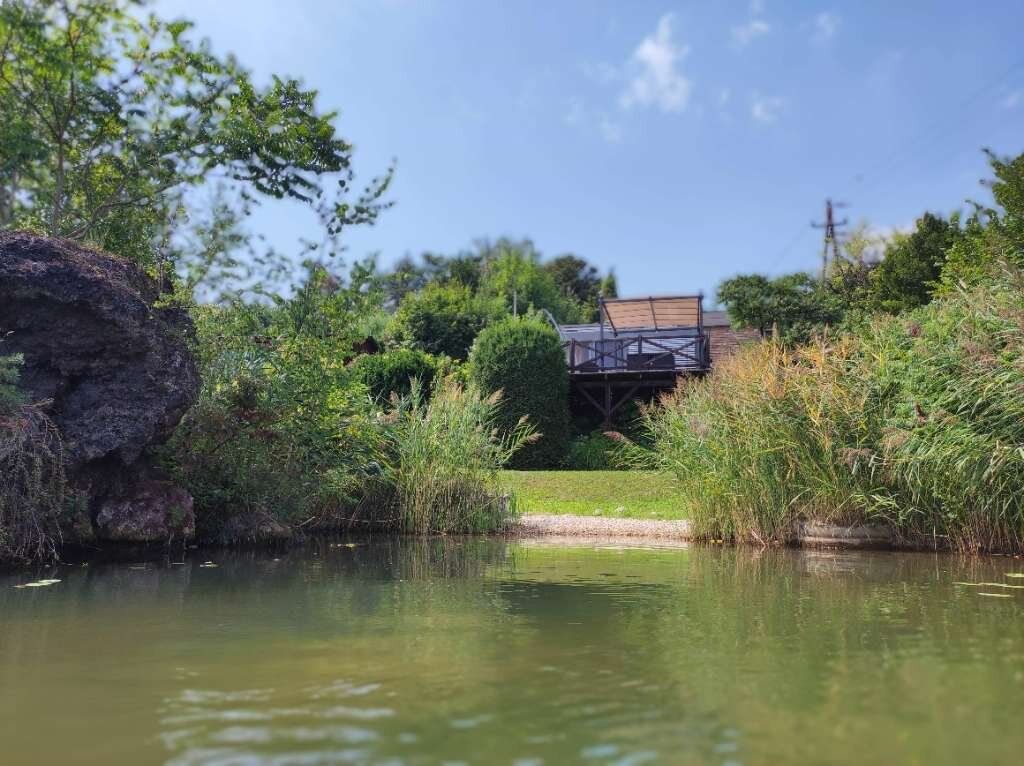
{"x": 638, "y": 353}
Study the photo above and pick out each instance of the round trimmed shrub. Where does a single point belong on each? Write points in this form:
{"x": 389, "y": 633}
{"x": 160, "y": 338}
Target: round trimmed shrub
{"x": 523, "y": 357}
{"x": 391, "y": 372}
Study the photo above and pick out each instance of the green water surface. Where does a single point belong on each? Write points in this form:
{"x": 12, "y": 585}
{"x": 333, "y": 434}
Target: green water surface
{"x": 492, "y": 652}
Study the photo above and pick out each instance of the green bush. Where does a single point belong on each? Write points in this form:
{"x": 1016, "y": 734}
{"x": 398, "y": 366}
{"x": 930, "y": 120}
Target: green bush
{"x": 391, "y": 372}
{"x": 441, "y": 319}
{"x": 592, "y": 452}
{"x": 10, "y": 396}
{"x": 523, "y": 357}
{"x": 281, "y": 429}
{"x": 910, "y": 270}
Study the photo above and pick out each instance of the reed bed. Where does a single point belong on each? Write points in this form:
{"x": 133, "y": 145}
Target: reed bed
{"x": 916, "y": 421}
{"x": 445, "y": 457}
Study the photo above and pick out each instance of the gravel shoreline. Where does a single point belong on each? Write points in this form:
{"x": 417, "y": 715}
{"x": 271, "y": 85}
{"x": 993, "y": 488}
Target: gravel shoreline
{"x": 543, "y": 524}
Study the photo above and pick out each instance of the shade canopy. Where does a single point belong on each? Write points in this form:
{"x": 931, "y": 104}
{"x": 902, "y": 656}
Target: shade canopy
{"x": 653, "y": 313}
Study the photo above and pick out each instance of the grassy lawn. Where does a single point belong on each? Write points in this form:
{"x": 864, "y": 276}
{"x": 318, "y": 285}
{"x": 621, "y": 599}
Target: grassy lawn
{"x": 630, "y": 494}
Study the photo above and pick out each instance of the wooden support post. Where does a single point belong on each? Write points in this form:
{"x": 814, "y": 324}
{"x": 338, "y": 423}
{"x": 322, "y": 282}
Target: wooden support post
{"x": 607, "y": 404}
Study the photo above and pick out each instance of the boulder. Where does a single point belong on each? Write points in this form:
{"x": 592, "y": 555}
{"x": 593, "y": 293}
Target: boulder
{"x": 254, "y": 527}
{"x": 149, "y": 511}
{"x": 111, "y": 366}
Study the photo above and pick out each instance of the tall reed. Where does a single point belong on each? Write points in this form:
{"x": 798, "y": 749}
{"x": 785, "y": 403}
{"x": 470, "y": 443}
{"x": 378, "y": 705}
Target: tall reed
{"x": 952, "y": 448}
{"x": 917, "y": 421}
{"x": 771, "y": 436}
{"x": 446, "y": 454}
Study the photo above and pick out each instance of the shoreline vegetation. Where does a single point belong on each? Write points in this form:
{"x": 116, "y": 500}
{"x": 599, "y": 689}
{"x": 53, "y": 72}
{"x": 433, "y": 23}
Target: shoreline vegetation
{"x": 327, "y": 395}
{"x": 915, "y": 422}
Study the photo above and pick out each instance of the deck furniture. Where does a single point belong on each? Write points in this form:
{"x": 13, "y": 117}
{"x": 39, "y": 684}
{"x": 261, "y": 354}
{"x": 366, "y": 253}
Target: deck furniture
{"x": 638, "y": 345}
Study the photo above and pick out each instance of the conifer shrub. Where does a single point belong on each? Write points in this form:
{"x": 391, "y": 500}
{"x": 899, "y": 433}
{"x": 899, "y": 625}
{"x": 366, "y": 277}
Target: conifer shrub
{"x": 523, "y": 358}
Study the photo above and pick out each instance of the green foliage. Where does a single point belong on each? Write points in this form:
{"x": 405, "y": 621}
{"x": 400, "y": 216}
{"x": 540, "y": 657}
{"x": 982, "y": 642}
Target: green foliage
{"x": 992, "y": 238}
{"x": 514, "y": 274}
{"x": 953, "y": 409}
{"x": 592, "y": 452}
{"x": 284, "y": 429}
{"x": 10, "y": 396}
{"x": 280, "y": 428}
{"x": 794, "y": 306}
{"x": 118, "y": 115}
{"x": 763, "y": 441}
{"x": 910, "y": 270}
{"x": 391, "y": 373}
{"x": 523, "y": 357}
{"x": 442, "y": 319}
{"x": 581, "y": 282}
{"x": 917, "y": 421}
{"x": 443, "y": 461}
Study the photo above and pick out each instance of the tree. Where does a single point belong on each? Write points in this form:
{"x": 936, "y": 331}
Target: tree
{"x": 441, "y": 319}
{"x": 993, "y": 236}
{"x": 581, "y": 281}
{"x": 910, "y": 270}
{"x": 523, "y": 358}
{"x": 794, "y": 305}
{"x": 513, "y": 272}
{"x": 114, "y": 118}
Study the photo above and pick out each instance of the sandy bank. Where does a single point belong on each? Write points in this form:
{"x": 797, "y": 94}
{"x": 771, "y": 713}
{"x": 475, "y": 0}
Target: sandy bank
{"x": 536, "y": 525}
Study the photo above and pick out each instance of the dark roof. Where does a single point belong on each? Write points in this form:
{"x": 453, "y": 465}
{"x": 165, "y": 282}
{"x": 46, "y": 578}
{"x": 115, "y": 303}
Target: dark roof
{"x": 716, "y": 319}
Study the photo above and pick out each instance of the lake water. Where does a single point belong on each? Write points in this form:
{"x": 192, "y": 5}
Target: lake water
{"x": 483, "y": 651}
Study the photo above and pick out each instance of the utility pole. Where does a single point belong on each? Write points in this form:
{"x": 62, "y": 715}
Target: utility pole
{"x": 831, "y": 240}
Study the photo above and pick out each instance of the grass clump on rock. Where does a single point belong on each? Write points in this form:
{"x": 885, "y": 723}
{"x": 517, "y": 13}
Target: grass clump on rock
{"x": 32, "y": 486}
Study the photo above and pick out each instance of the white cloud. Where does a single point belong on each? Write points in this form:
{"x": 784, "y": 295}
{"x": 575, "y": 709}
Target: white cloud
{"x": 658, "y": 81}
{"x": 765, "y": 109}
{"x": 723, "y": 97}
{"x": 743, "y": 35}
{"x": 1012, "y": 100}
{"x": 825, "y": 26}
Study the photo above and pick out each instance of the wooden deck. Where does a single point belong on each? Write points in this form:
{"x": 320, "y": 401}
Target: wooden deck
{"x": 639, "y": 346}
{"x": 638, "y": 353}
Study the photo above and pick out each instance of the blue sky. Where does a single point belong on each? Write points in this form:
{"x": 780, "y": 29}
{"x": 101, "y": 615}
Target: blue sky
{"x": 679, "y": 142}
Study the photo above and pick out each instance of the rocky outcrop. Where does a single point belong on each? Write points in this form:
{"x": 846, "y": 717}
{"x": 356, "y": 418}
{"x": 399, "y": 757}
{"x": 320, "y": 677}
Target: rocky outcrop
{"x": 114, "y": 370}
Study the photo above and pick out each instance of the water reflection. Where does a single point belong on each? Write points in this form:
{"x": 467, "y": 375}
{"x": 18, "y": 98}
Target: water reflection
{"x": 488, "y": 651}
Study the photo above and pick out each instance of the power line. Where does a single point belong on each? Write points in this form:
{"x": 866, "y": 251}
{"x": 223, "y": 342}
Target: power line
{"x": 938, "y": 130}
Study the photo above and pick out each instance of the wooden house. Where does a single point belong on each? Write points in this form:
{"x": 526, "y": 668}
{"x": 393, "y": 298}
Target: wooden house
{"x": 641, "y": 346}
